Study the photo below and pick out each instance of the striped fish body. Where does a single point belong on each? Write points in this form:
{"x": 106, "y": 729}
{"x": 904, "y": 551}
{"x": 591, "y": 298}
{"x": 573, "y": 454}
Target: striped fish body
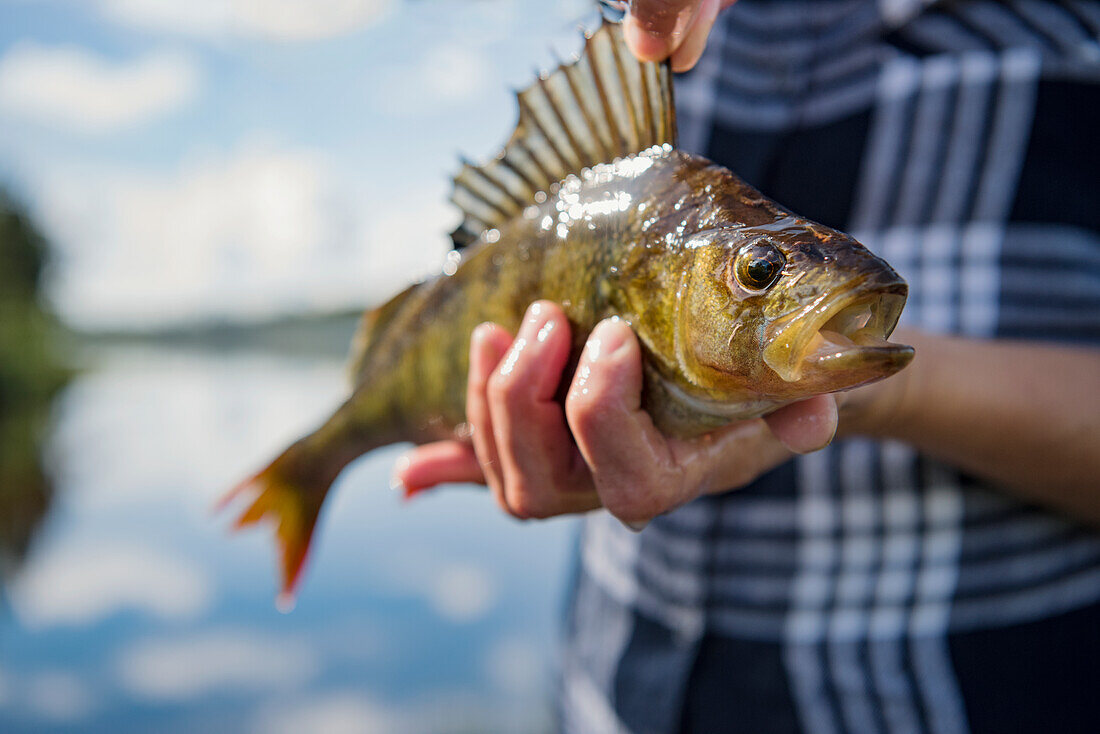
{"x": 598, "y": 246}
{"x": 740, "y": 306}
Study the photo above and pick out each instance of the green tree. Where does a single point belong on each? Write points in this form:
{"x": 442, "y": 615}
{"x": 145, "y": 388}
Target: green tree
{"x": 31, "y": 375}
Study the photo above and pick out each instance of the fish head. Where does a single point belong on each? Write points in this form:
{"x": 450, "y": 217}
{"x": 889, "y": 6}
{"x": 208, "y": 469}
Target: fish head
{"x": 786, "y": 310}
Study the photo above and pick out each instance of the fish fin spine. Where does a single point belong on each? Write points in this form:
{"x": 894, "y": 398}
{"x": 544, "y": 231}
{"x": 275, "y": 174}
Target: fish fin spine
{"x": 603, "y": 105}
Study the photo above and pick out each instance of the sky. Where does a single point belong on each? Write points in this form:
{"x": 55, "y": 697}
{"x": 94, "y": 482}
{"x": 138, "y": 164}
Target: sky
{"x": 242, "y": 159}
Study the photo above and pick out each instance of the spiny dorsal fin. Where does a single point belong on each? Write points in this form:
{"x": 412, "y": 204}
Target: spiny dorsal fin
{"x": 603, "y": 105}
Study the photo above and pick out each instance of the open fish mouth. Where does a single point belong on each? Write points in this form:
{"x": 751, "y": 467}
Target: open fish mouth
{"x": 842, "y": 334}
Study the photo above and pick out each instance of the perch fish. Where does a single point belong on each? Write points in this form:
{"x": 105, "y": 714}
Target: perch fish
{"x": 740, "y": 306}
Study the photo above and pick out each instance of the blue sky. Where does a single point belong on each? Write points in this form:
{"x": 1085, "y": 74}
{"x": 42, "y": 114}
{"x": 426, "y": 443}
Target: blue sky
{"x": 238, "y": 159}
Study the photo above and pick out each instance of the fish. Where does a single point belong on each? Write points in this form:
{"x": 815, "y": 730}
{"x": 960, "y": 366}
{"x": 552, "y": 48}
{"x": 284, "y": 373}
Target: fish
{"x": 739, "y": 305}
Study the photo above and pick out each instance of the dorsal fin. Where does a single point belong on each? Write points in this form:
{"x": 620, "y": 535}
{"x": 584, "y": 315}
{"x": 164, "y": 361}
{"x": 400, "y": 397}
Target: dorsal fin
{"x": 373, "y": 322}
{"x": 603, "y": 105}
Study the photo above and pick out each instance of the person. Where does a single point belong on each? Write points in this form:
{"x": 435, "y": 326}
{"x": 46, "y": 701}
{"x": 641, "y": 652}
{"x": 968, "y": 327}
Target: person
{"x": 936, "y": 567}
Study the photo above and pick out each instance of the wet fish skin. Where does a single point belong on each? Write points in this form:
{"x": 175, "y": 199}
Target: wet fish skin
{"x": 622, "y": 240}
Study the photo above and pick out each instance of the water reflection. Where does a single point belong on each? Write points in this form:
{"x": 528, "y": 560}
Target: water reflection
{"x": 136, "y": 611}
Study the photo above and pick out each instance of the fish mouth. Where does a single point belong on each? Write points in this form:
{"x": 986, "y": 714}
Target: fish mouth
{"x": 842, "y": 334}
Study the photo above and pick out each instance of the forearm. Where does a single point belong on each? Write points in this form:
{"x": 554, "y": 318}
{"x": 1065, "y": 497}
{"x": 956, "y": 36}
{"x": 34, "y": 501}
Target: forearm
{"x": 1026, "y": 416}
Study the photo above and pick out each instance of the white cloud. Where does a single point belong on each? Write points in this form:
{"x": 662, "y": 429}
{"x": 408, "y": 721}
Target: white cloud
{"x": 77, "y": 585}
{"x": 259, "y": 231}
{"x": 76, "y": 90}
{"x": 462, "y": 592}
{"x": 515, "y": 666}
{"x": 280, "y": 20}
{"x": 443, "y": 75}
{"x": 173, "y": 670}
{"x": 336, "y": 713}
{"x": 58, "y": 696}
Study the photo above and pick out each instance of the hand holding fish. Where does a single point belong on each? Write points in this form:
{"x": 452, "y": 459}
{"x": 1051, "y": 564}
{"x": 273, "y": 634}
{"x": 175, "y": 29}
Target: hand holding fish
{"x": 601, "y": 449}
{"x": 677, "y": 30}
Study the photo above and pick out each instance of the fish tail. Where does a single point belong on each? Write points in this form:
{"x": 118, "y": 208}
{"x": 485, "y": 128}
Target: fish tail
{"x": 288, "y": 494}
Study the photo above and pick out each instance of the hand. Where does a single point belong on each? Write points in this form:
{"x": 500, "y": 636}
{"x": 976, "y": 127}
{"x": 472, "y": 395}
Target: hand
{"x": 658, "y": 29}
{"x": 540, "y": 459}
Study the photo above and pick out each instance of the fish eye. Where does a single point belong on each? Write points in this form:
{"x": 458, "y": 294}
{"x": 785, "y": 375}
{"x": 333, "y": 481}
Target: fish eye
{"x": 758, "y": 266}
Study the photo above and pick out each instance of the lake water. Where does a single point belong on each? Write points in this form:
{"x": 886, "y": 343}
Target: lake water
{"x": 137, "y": 611}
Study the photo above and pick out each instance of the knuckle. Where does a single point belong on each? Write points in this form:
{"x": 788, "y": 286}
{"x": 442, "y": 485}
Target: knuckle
{"x": 477, "y": 417}
{"x": 584, "y": 411}
{"x": 498, "y": 388}
{"x": 634, "y": 504}
{"x": 527, "y": 502}
{"x": 516, "y": 512}
{"x": 520, "y": 509}
{"x": 498, "y": 496}
{"x": 506, "y": 392}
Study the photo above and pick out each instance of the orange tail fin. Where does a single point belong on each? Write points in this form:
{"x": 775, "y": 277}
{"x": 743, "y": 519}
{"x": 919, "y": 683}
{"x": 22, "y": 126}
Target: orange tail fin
{"x": 292, "y": 506}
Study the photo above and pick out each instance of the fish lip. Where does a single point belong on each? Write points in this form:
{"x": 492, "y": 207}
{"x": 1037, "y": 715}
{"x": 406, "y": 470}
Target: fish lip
{"x": 804, "y": 342}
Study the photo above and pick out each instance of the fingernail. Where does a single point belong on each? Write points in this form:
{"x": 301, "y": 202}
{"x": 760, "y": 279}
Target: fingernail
{"x": 693, "y": 45}
{"x": 811, "y": 423}
{"x": 544, "y": 332}
{"x": 645, "y": 46}
{"x": 479, "y": 332}
{"x": 534, "y": 313}
{"x": 831, "y": 418}
{"x": 607, "y": 338}
{"x": 636, "y": 527}
{"x": 399, "y": 467}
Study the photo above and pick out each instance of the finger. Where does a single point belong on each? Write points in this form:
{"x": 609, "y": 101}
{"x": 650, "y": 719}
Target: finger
{"x": 730, "y": 457}
{"x": 733, "y": 456}
{"x": 436, "y": 463}
{"x": 488, "y": 345}
{"x": 805, "y": 426}
{"x": 655, "y": 28}
{"x": 632, "y": 467}
{"x": 688, "y": 53}
{"x": 537, "y": 456}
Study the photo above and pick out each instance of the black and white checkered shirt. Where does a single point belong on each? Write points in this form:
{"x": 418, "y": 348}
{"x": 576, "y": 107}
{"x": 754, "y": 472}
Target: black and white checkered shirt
{"x": 867, "y": 588}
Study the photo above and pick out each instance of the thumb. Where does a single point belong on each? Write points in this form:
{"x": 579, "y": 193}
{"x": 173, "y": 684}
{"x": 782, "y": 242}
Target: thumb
{"x": 806, "y": 426}
{"x": 656, "y": 28}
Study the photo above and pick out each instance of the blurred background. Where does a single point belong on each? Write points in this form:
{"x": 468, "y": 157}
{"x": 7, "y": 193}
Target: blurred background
{"x": 198, "y": 198}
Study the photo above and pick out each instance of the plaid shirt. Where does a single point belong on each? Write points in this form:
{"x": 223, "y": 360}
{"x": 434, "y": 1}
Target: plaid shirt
{"x": 868, "y": 588}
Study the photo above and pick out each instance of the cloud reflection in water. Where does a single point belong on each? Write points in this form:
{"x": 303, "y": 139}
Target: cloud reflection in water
{"x": 435, "y": 615}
